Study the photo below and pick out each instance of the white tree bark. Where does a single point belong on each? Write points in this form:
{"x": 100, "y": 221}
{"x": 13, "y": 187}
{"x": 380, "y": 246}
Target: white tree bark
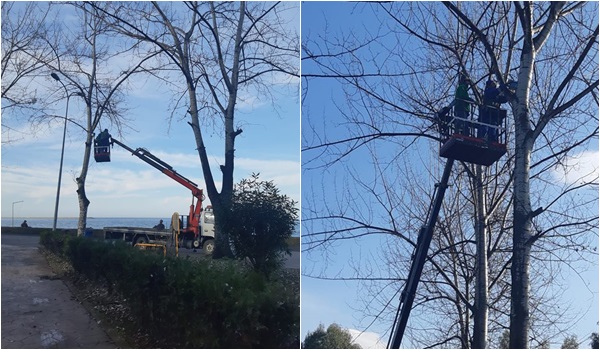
{"x": 480, "y": 315}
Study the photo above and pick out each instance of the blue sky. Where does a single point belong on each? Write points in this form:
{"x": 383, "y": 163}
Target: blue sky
{"x": 326, "y": 301}
{"x": 128, "y": 187}
{"x": 342, "y": 302}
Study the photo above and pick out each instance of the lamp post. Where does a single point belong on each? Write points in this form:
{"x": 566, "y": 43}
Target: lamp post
{"x": 13, "y": 212}
{"x": 62, "y": 152}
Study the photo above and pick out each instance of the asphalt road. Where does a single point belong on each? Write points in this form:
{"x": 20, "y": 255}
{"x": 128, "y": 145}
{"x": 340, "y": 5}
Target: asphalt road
{"x": 293, "y": 261}
{"x": 39, "y": 311}
{"x": 20, "y": 240}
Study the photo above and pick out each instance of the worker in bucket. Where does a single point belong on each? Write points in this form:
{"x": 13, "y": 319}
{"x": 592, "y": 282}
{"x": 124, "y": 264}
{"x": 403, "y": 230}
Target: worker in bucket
{"x": 103, "y": 138}
{"x": 462, "y": 106}
{"x": 490, "y": 113}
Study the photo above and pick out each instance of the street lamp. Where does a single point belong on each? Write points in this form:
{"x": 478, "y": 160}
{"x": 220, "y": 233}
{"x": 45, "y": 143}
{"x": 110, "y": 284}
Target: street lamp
{"x": 62, "y": 152}
{"x": 13, "y": 212}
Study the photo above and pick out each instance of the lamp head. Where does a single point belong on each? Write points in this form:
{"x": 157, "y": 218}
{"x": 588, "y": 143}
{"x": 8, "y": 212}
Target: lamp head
{"x": 55, "y": 76}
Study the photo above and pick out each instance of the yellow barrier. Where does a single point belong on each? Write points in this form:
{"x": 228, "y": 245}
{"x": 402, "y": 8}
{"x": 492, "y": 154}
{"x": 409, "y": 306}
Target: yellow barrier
{"x": 176, "y": 230}
{"x": 154, "y": 245}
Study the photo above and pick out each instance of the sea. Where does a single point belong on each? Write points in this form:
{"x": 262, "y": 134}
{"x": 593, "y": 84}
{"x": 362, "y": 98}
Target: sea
{"x": 96, "y": 223}
{"x": 92, "y": 222}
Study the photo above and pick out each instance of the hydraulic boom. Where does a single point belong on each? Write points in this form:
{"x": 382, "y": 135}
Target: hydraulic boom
{"x": 423, "y": 241}
{"x": 473, "y": 139}
{"x": 193, "y": 227}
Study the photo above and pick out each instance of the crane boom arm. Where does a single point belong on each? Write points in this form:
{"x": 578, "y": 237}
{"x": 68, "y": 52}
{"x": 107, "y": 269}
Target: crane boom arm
{"x": 424, "y": 240}
{"x": 163, "y": 167}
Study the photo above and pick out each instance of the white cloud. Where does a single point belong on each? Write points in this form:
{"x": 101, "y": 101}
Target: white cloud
{"x": 367, "y": 340}
{"x": 249, "y": 101}
{"x": 271, "y": 169}
{"x": 127, "y": 186}
{"x": 279, "y": 78}
{"x": 326, "y": 307}
{"x": 580, "y": 168}
{"x": 146, "y": 193}
{"x": 284, "y": 173}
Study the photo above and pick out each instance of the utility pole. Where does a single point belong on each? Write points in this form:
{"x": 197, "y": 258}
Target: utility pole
{"x": 13, "y": 213}
{"x": 62, "y": 152}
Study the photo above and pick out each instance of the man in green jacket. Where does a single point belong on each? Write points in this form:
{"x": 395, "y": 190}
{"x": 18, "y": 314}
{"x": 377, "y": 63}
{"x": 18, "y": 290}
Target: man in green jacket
{"x": 462, "y": 105}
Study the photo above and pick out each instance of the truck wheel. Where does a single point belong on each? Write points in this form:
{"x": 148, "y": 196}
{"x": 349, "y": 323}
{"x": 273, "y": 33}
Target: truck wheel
{"x": 196, "y": 244}
{"x": 140, "y": 239}
{"x": 208, "y": 246}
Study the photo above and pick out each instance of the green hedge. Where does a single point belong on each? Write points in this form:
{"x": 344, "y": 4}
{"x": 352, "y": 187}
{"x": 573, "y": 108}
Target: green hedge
{"x": 189, "y": 303}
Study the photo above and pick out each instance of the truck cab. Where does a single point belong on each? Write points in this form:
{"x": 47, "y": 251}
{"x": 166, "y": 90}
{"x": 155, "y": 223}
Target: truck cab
{"x": 207, "y": 224}
{"x": 206, "y": 230}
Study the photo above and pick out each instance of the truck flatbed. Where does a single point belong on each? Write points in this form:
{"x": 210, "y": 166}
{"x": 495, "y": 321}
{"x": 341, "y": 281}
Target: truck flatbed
{"x": 136, "y": 234}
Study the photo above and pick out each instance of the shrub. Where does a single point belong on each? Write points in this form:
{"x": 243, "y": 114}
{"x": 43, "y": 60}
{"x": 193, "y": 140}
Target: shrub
{"x": 56, "y": 242}
{"x": 190, "y": 303}
{"x": 259, "y": 222}
{"x": 335, "y": 337}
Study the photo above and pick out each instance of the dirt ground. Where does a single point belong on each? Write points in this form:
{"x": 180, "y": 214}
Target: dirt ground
{"x": 110, "y": 310}
{"x": 38, "y": 309}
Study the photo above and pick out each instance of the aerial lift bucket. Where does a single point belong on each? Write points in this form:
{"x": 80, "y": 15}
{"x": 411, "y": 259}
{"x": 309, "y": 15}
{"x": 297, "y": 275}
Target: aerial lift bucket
{"x": 101, "y": 152}
{"x": 469, "y": 144}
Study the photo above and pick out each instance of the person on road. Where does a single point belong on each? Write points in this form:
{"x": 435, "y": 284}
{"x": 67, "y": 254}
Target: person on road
{"x": 24, "y": 224}
{"x": 160, "y": 226}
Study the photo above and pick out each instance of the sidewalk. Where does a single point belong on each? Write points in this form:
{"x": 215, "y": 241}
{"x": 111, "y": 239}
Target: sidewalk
{"x": 38, "y": 310}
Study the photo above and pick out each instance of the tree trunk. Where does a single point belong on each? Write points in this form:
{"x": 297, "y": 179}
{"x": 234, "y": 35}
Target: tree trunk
{"x": 222, "y": 244}
{"x": 519, "y": 315}
{"x": 480, "y": 314}
{"x": 219, "y": 201}
{"x": 84, "y": 202}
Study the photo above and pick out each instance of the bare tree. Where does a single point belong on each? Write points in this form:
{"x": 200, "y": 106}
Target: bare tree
{"x": 24, "y": 52}
{"x": 537, "y": 23}
{"x": 219, "y": 49}
{"x": 399, "y": 101}
{"x": 90, "y": 65}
